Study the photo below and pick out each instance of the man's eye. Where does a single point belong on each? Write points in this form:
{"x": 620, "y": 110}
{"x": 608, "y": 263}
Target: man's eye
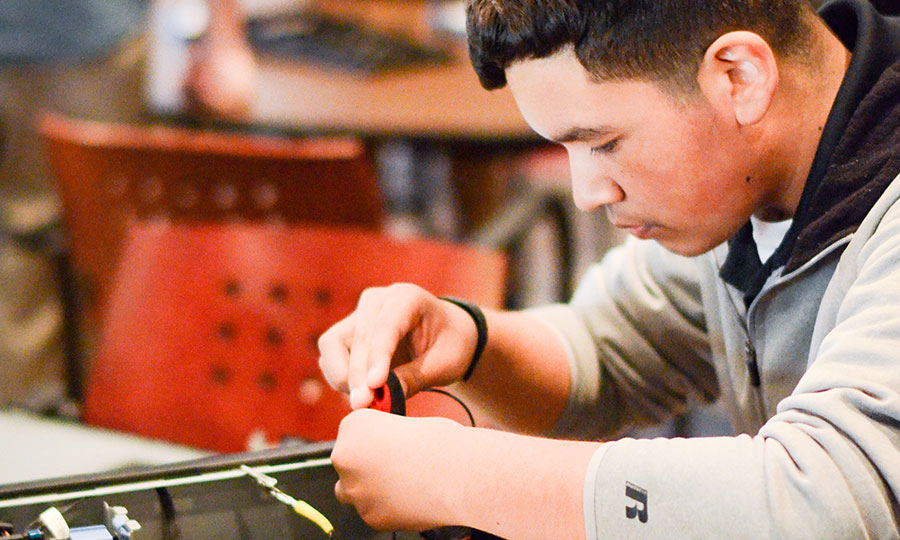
{"x": 606, "y": 148}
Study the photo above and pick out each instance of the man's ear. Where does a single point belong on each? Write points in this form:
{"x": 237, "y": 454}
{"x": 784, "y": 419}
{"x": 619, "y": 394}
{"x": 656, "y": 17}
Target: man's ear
{"x": 739, "y": 76}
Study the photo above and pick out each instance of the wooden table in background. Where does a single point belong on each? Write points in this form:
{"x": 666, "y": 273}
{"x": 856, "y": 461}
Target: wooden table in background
{"x": 440, "y": 101}
{"x": 443, "y": 105}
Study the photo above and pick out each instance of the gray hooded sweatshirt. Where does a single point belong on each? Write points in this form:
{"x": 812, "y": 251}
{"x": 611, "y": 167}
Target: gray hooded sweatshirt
{"x": 803, "y": 351}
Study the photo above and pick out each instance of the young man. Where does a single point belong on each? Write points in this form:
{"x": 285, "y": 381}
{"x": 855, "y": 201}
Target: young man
{"x": 750, "y": 147}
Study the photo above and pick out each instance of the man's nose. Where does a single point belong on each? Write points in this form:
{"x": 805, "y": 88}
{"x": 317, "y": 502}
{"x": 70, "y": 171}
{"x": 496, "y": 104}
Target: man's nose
{"x": 592, "y": 184}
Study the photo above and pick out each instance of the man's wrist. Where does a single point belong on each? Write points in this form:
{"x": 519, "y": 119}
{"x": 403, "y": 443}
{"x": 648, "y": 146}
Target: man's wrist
{"x": 480, "y": 328}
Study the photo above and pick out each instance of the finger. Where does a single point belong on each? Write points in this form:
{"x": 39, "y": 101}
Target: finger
{"x": 367, "y": 309}
{"x": 411, "y": 379}
{"x": 334, "y": 353}
{"x": 340, "y": 494}
{"x": 398, "y": 317}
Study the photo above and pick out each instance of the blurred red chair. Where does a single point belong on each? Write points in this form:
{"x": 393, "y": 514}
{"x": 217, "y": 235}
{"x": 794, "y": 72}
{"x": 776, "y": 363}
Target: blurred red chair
{"x": 210, "y": 337}
{"x": 107, "y": 174}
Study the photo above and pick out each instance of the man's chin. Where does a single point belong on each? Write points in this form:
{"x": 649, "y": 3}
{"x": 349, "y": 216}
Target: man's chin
{"x": 685, "y": 247}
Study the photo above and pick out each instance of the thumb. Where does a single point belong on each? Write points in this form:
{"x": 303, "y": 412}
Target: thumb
{"x": 411, "y": 379}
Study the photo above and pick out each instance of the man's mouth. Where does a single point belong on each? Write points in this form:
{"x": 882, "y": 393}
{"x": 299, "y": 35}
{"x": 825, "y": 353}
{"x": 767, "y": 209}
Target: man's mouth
{"x": 641, "y": 231}
{"x": 636, "y": 229}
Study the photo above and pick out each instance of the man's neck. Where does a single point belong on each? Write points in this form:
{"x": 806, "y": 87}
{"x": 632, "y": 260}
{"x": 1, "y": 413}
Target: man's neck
{"x": 808, "y": 92}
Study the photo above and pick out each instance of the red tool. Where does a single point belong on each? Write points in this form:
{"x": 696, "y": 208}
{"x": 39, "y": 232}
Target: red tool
{"x": 390, "y": 398}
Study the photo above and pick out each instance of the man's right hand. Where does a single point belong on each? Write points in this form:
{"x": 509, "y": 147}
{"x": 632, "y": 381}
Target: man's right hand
{"x": 427, "y": 341}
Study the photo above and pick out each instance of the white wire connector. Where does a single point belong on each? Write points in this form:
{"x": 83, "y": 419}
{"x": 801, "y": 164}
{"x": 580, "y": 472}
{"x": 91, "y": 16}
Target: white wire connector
{"x": 54, "y": 523}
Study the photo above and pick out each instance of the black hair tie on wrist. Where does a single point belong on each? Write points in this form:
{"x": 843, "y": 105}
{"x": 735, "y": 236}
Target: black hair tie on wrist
{"x": 480, "y": 327}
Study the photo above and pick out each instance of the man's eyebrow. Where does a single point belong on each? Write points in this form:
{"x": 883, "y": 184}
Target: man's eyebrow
{"x": 581, "y": 134}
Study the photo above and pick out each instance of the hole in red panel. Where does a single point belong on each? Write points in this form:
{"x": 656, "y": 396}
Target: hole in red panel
{"x": 226, "y": 330}
{"x": 278, "y": 293}
{"x": 232, "y": 288}
{"x": 266, "y": 381}
{"x": 322, "y": 296}
{"x": 220, "y": 375}
{"x": 274, "y": 336}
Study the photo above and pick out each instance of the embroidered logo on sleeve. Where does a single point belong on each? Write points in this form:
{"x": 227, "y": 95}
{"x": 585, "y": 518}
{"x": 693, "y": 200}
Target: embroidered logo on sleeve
{"x": 638, "y": 507}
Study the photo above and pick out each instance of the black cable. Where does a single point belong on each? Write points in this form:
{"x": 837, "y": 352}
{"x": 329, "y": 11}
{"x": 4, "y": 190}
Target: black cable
{"x": 71, "y": 506}
{"x": 456, "y": 399}
{"x": 33, "y": 523}
{"x": 461, "y": 404}
{"x": 167, "y": 508}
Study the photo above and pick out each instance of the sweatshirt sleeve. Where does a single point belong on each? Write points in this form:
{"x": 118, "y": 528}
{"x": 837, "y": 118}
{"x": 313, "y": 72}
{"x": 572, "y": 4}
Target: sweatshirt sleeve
{"x": 636, "y": 339}
{"x": 826, "y": 465}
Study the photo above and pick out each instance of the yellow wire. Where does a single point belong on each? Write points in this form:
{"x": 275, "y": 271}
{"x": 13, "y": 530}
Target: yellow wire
{"x": 310, "y": 513}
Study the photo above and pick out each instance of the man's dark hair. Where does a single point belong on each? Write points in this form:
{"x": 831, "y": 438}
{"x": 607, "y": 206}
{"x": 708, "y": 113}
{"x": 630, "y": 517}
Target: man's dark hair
{"x": 655, "y": 40}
